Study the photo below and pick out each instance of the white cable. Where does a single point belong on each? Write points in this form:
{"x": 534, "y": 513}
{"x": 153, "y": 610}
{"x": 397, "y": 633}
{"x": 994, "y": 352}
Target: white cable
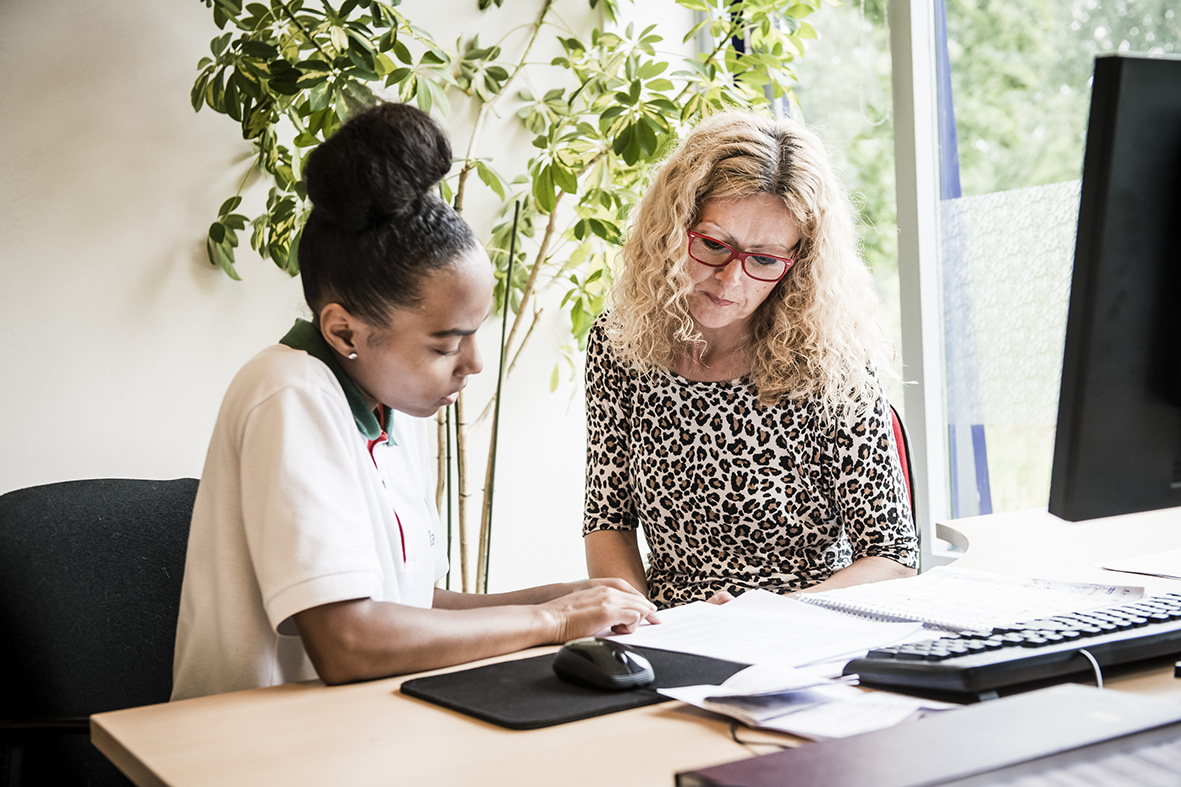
{"x": 1094, "y": 666}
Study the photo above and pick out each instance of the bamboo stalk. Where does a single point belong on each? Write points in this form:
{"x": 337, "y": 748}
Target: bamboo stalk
{"x": 461, "y": 501}
{"x": 486, "y": 509}
{"x": 450, "y": 521}
{"x": 441, "y": 459}
{"x": 442, "y": 465}
{"x": 460, "y": 425}
{"x": 482, "y": 561}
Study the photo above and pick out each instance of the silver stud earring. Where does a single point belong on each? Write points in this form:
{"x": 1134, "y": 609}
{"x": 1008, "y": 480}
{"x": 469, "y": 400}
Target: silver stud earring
{"x": 352, "y": 356}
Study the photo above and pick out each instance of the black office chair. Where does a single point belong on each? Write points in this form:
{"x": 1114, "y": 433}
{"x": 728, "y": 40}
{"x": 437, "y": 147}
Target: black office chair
{"x": 90, "y": 575}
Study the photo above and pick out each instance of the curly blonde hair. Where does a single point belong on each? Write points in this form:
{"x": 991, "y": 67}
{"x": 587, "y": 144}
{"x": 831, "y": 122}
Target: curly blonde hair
{"x": 817, "y": 333}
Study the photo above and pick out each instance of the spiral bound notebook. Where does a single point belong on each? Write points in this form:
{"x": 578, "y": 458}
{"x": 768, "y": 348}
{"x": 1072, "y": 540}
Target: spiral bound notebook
{"x": 958, "y": 599}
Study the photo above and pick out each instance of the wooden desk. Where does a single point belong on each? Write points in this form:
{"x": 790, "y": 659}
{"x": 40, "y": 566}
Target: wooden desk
{"x": 369, "y": 733}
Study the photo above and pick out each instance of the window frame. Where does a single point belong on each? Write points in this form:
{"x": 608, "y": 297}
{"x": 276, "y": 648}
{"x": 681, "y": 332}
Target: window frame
{"x": 916, "y": 162}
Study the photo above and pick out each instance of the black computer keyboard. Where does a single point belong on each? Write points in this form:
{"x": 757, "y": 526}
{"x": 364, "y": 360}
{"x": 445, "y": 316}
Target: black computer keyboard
{"x": 974, "y": 665}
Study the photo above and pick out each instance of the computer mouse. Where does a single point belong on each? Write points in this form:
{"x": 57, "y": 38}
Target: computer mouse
{"x": 602, "y": 664}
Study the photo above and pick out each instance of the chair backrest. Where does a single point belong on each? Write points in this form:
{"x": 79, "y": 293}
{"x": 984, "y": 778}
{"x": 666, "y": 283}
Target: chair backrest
{"x": 90, "y": 575}
{"x": 902, "y": 440}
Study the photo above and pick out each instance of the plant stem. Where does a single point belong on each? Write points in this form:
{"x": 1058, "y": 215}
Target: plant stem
{"x": 721, "y": 44}
{"x": 482, "y": 561}
{"x": 525, "y": 340}
{"x": 512, "y": 364}
{"x": 530, "y": 283}
{"x": 450, "y": 521}
{"x": 246, "y": 177}
{"x": 441, "y": 463}
{"x": 306, "y": 34}
{"x": 460, "y": 189}
{"x": 461, "y": 502}
{"x": 469, "y": 156}
{"x": 527, "y": 293}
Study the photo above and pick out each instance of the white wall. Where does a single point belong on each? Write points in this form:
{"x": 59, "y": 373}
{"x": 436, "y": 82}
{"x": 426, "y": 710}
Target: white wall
{"x": 120, "y": 339}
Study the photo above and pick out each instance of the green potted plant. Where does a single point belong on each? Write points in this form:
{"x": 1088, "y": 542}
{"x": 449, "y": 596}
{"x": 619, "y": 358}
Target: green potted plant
{"x": 290, "y": 72}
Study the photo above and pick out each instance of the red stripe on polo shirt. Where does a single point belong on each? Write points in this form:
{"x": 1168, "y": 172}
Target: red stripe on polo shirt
{"x": 384, "y": 438}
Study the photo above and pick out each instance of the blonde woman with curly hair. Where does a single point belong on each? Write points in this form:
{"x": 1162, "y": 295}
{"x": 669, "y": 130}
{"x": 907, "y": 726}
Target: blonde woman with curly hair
{"x": 734, "y": 408}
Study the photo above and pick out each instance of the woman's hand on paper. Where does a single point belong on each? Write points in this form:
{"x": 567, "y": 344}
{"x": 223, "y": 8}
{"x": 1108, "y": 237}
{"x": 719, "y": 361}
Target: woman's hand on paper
{"x": 597, "y": 605}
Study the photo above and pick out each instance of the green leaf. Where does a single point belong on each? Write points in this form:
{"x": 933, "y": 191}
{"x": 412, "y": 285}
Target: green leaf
{"x": 647, "y": 136}
{"x": 565, "y": 179}
{"x": 490, "y": 178}
{"x": 578, "y": 316}
{"x": 197, "y": 95}
{"x": 611, "y": 113}
{"x": 543, "y": 189}
{"x": 235, "y": 220}
{"x": 317, "y": 66}
{"x": 259, "y": 49}
{"x": 553, "y": 379}
{"x": 292, "y": 265}
{"x": 228, "y": 206}
{"x": 693, "y": 31}
{"x": 222, "y": 257}
{"x": 623, "y": 140}
{"x": 258, "y": 121}
{"x": 219, "y": 44}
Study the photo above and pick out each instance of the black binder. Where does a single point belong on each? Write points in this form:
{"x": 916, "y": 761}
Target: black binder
{"x": 971, "y": 745}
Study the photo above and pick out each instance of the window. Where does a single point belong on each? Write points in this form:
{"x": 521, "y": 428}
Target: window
{"x": 989, "y": 102}
{"x": 1013, "y": 94}
{"x": 844, "y": 95}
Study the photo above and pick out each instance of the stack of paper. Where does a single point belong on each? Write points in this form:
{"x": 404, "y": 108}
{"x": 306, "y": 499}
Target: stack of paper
{"x": 761, "y": 627}
{"x": 779, "y": 635}
{"x": 956, "y": 599}
{"x": 1157, "y": 564}
{"x": 803, "y": 702}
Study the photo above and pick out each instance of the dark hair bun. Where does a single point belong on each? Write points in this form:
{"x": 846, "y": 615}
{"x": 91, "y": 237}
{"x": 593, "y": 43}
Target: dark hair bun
{"x": 379, "y": 165}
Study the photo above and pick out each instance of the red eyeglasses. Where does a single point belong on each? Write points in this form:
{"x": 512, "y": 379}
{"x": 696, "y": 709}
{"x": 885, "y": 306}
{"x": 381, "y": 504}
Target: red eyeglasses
{"x": 716, "y": 254}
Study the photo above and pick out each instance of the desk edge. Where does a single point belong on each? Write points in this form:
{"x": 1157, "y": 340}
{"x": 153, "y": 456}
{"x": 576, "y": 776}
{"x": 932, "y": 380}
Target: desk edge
{"x": 114, "y": 751}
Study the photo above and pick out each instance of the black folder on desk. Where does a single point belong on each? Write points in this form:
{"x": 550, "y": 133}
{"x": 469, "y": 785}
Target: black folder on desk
{"x": 525, "y": 694}
{"x": 984, "y": 744}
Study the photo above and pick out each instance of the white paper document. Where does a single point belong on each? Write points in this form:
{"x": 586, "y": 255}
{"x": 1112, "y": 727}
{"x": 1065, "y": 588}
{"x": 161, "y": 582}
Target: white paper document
{"x": 803, "y": 703}
{"x": 1159, "y": 564}
{"x": 953, "y": 598}
{"x": 762, "y": 627}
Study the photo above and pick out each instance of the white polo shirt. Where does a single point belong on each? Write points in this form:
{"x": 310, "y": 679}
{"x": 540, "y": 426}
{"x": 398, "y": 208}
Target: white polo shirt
{"x": 293, "y": 511}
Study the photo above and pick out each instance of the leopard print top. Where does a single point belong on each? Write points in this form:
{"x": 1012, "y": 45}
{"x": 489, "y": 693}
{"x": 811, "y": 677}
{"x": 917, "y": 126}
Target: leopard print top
{"x": 733, "y": 495}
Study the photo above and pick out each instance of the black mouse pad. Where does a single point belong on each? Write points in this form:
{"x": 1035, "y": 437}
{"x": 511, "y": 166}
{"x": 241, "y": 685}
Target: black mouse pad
{"x": 525, "y": 694}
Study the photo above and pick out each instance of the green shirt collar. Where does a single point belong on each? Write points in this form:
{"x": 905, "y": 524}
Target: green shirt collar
{"x": 305, "y": 336}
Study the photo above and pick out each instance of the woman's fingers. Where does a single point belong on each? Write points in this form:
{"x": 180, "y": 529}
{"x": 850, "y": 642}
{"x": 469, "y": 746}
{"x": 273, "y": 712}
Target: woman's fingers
{"x": 721, "y": 597}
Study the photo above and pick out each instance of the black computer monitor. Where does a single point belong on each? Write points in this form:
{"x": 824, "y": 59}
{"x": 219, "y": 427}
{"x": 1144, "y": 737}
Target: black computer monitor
{"x": 1118, "y": 445}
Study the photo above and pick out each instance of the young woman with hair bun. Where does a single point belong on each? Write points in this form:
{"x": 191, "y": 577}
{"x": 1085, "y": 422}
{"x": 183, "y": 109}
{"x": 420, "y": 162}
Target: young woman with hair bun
{"x": 315, "y": 544}
{"x": 734, "y": 409}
